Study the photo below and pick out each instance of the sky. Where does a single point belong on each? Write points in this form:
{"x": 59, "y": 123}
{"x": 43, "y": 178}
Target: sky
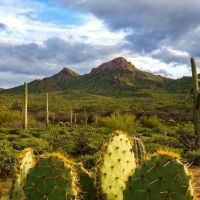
{"x": 38, "y": 38}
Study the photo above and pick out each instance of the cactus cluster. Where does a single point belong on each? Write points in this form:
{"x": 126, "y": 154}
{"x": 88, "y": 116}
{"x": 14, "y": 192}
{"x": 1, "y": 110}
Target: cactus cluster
{"x": 54, "y": 177}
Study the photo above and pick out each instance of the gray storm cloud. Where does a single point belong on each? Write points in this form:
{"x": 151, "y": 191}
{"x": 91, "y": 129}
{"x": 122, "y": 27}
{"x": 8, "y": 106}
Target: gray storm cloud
{"x": 152, "y": 24}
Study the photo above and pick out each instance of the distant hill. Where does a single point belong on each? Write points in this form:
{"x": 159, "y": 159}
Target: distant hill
{"x": 116, "y": 77}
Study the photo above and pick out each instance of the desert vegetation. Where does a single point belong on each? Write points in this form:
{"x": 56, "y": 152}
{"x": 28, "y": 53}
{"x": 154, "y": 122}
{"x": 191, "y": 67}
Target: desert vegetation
{"x": 65, "y": 129}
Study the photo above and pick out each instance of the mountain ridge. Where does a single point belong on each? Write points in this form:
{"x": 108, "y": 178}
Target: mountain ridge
{"x": 115, "y": 77}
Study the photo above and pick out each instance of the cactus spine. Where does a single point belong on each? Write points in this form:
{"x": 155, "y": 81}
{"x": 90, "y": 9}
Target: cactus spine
{"x": 115, "y": 165}
{"x": 26, "y": 161}
{"x": 52, "y": 178}
{"x": 161, "y": 177}
{"x": 25, "y": 119}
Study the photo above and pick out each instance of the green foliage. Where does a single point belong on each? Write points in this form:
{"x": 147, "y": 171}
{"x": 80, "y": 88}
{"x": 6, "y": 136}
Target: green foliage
{"x": 8, "y": 159}
{"x": 188, "y": 138}
{"x": 60, "y": 143}
{"x": 88, "y": 161}
{"x": 150, "y": 122}
{"x": 8, "y": 116}
{"x": 126, "y": 122}
{"x": 193, "y": 157}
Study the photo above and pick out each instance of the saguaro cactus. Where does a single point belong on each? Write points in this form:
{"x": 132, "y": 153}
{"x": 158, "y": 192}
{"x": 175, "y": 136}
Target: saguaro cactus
{"x": 196, "y": 97}
{"x": 71, "y": 115}
{"x": 47, "y": 111}
{"x": 24, "y": 111}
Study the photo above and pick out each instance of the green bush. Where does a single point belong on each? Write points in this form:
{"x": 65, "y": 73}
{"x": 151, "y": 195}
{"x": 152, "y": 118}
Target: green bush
{"x": 150, "y": 122}
{"x": 8, "y": 158}
{"x": 13, "y": 138}
{"x": 89, "y": 161}
{"x": 193, "y": 157}
{"x": 126, "y": 123}
{"x": 153, "y": 147}
{"x": 188, "y": 138}
{"x": 59, "y": 142}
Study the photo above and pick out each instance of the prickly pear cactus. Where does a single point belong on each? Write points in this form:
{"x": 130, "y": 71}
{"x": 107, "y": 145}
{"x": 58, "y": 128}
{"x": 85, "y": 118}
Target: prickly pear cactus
{"x": 162, "y": 177}
{"x": 86, "y": 183}
{"x": 52, "y": 178}
{"x": 26, "y": 161}
{"x": 116, "y": 163}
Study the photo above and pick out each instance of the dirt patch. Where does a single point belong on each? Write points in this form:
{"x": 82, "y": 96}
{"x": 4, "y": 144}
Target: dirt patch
{"x": 196, "y": 172}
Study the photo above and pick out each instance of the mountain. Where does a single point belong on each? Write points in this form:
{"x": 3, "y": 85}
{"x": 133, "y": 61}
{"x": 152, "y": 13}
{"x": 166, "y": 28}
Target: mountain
{"x": 116, "y": 77}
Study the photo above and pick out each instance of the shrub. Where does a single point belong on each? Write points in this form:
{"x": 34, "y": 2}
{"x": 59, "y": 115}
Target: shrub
{"x": 89, "y": 161}
{"x": 58, "y": 142}
{"x": 193, "y": 157}
{"x": 126, "y": 123}
{"x": 150, "y": 122}
{"x": 8, "y": 159}
{"x": 188, "y": 138}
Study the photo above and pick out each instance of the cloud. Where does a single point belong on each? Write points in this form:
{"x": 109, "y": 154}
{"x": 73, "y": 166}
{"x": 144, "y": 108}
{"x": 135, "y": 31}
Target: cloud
{"x": 3, "y": 27}
{"x": 150, "y": 25}
{"x": 52, "y": 56}
{"x": 162, "y": 72}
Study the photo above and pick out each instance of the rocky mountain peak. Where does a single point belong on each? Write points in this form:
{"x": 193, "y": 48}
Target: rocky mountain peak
{"x": 69, "y": 72}
{"x": 117, "y": 63}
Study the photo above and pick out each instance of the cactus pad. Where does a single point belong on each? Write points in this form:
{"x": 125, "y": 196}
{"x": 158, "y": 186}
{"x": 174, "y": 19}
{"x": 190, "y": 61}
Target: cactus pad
{"x": 86, "y": 183}
{"x": 26, "y": 161}
{"x": 115, "y": 165}
{"x": 52, "y": 178}
{"x": 162, "y": 177}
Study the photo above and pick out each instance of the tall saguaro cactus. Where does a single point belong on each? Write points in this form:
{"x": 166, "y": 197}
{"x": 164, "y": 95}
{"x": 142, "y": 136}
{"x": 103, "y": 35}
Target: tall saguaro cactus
{"x": 25, "y": 119}
{"x": 71, "y": 115}
{"x": 47, "y": 111}
{"x": 196, "y": 97}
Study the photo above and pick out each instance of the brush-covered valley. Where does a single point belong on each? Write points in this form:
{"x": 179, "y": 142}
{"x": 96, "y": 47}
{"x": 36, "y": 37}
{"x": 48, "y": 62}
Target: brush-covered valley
{"x": 86, "y": 119}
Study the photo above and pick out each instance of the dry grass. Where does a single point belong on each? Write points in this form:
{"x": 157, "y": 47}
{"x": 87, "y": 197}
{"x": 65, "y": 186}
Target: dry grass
{"x": 196, "y": 172}
{"x": 5, "y": 189}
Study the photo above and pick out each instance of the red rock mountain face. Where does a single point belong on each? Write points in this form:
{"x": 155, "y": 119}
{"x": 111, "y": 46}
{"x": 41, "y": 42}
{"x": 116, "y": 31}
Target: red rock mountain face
{"x": 69, "y": 72}
{"x": 117, "y": 63}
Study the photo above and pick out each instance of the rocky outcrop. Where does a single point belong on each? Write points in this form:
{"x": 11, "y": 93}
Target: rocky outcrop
{"x": 117, "y": 63}
{"x": 69, "y": 72}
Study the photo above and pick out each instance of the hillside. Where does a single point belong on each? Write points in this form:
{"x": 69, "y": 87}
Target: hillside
{"x": 116, "y": 77}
